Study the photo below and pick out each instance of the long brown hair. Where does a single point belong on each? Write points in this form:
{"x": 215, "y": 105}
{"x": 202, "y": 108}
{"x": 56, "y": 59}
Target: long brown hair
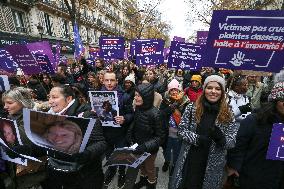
{"x": 224, "y": 116}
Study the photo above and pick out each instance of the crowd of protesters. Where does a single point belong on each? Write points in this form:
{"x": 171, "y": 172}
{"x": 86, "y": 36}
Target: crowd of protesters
{"x": 213, "y": 126}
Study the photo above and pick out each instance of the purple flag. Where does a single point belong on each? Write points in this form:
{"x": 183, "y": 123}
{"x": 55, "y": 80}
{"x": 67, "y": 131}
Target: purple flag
{"x": 24, "y": 59}
{"x": 166, "y": 53}
{"x": 126, "y": 53}
{"x": 149, "y": 51}
{"x": 57, "y": 54}
{"x": 79, "y": 48}
{"x": 202, "y": 37}
{"x": 111, "y": 48}
{"x": 276, "y": 146}
{"x": 179, "y": 39}
{"x": 246, "y": 40}
{"x": 43, "y": 55}
{"x": 7, "y": 62}
{"x": 185, "y": 56}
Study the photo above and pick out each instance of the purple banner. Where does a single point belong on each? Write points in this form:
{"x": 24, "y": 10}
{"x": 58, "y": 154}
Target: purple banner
{"x": 24, "y": 58}
{"x": 94, "y": 52}
{"x": 246, "y": 40}
{"x": 202, "y": 37}
{"x": 179, "y": 39}
{"x": 149, "y": 51}
{"x": 43, "y": 55}
{"x": 7, "y": 62}
{"x": 185, "y": 56}
{"x": 276, "y": 146}
{"x": 111, "y": 48}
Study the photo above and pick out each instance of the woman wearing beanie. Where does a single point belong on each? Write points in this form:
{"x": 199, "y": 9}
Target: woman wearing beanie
{"x": 172, "y": 108}
{"x": 147, "y": 132}
{"x": 248, "y": 161}
{"x": 207, "y": 129}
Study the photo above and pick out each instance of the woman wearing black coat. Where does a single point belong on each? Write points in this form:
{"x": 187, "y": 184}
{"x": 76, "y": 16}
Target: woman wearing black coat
{"x": 147, "y": 132}
{"x": 80, "y": 170}
{"x": 90, "y": 175}
{"x": 249, "y": 161}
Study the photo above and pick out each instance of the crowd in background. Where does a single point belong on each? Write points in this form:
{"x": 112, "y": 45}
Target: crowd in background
{"x": 213, "y": 126}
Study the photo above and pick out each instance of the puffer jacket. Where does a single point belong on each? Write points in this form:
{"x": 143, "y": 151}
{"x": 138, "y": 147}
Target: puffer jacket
{"x": 147, "y": 126}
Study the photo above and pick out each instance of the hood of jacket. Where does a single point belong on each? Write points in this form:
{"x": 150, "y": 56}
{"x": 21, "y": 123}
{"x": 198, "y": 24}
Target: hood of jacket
{"x": 146, "y": 90}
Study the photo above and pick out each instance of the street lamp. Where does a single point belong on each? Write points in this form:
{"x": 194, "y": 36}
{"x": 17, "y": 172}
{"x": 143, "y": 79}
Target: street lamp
{"x": 40, "y": 30}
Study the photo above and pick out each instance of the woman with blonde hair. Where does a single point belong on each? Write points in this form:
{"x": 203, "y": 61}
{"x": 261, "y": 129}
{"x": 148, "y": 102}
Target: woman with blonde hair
{"x": 64, "y": 136}
{"x": 207, "y": 129}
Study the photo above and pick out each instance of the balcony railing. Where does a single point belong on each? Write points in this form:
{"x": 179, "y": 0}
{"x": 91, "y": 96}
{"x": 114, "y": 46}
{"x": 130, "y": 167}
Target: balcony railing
{"x": 21, "y": 29}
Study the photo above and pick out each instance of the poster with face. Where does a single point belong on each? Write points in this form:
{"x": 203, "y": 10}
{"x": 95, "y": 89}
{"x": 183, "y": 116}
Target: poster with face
{"x": 125, "y": 156}
{"x": 9, "y": 137}
{"x": 4, "y": 83}
{"x": 69, "y": 135}
{"x": 105, "y": 104}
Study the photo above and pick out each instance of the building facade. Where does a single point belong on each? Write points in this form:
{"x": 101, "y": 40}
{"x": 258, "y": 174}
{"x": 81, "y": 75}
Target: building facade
{"x": 32, "y": 20}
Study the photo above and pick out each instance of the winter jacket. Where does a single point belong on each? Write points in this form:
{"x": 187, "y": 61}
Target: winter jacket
{"x": 147, "y": 126}
{"x": 88, "y": 172}
{"x": 254, "y": 92}
{"x": 249, "y": 156}
{"x": 192, "y": 93}
{"x": 235, "y": 101}
{"x": 167, "y": 109}
{"x": 216, "y": 158}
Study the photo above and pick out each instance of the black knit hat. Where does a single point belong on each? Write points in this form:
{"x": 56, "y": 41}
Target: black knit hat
{"x": 146, "y": 90}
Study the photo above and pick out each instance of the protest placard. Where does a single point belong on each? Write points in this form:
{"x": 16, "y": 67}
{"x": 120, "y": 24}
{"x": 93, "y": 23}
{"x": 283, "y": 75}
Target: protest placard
{"x": 56, "y": 132}
{"x": 276, "y": 145}
{"x": 43, "y": 55}
{"x": 8, "y": 64}
{"x": 111, "y": 48}
{"x": 149, "y": 51}
{"x": 246, "y": 40}
{"x": 25, "y": 60}
{"x": 10, "y": 137}
{"x": 179, "y": 39}
{"x": 185, "y": 56}
{"x": 105, "y": 104}
{"x": 202, "y": 37}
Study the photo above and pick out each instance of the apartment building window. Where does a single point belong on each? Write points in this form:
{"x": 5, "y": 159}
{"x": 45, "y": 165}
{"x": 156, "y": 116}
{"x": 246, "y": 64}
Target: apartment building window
{"x": 65, "y": 29}
{"x": 19, "y": 18}
{"x": 48, "y": 24}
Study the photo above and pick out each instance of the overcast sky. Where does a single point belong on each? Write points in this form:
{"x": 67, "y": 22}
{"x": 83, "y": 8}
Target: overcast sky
{"x": 175, "y": 11}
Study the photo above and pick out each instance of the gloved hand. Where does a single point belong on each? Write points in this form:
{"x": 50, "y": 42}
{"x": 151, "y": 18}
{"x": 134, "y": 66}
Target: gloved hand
{"x": 83, "y": 157}
{"x": 202, "y": 140}
{"x": 140, "y": 149}
{"x": 245, "y": 108}
{"x": 217, "y": 136}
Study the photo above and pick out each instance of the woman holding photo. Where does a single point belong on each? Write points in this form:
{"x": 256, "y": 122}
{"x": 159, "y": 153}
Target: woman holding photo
{"x": 14, "y": 101}
{"x": 79, "y": 170}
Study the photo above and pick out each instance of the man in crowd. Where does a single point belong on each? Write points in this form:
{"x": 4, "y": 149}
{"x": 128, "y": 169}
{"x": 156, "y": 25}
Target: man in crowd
{"x": 115, "y": 136}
